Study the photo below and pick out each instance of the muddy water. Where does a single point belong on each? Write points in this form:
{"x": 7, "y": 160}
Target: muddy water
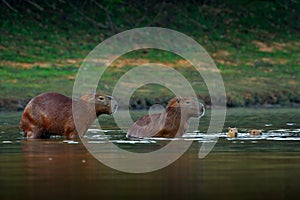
{"x": 263, "y": 167}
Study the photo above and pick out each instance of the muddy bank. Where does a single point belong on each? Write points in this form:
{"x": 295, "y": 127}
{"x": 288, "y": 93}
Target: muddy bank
{"x": 13, "y": 104}
{"x": 257, "y": 101}
{"x": 138, "y": 103}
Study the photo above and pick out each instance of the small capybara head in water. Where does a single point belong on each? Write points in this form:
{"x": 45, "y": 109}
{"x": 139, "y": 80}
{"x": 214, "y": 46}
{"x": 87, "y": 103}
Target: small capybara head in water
{"x": 232, "y": 132}
{"x": 255, "y": 132}
{"x": 189, "y": 107}
{"x": 104, "y": 104}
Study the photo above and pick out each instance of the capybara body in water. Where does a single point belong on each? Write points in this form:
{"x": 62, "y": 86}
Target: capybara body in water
{"x": 254, "y": 132}
{"x": 170, "y": 123}
{"x": 51, "y": 114}
{"x": 232, "y": 132}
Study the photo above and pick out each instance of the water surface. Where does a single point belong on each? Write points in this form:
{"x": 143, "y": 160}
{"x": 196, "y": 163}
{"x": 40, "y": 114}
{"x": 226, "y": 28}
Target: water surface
{"x": 263, "y": 167}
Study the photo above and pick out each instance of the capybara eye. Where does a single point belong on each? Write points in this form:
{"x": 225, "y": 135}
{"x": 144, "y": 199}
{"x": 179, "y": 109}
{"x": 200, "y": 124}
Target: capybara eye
{"x": 100, "y": 98}
{"x": 187, "y": 102}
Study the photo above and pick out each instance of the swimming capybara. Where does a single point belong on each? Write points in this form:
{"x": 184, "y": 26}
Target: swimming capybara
{"x": 254, "y": 132}
{"x": 51, "y": 114}
{"x": 172, "y": 122}
{"x": 232, "y": 132}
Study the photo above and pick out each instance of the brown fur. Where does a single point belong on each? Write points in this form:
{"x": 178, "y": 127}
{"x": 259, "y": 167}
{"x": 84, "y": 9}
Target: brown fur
{"x": 255, "y": 132}
{"x": 51, "y": 114}
{"x": 232, "y": 132}
{"x": 172, "y": 122}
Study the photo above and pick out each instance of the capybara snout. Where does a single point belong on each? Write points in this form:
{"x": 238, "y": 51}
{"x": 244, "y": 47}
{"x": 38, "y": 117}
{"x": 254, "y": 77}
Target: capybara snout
{"x": 191, "y": 106}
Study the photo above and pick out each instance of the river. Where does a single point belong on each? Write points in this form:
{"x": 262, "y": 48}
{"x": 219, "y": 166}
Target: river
{"x": 262, "y": 167}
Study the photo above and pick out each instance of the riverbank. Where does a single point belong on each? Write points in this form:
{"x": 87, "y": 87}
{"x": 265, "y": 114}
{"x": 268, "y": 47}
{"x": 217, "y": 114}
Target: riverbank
{"x": 41, "y": 48}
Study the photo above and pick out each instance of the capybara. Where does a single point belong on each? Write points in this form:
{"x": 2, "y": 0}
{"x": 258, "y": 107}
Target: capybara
{"x": 173, "y": 122}
{"x": 254, "y": 132}
{"x": 232, "y": 132}
{"x": 51, "y": 114}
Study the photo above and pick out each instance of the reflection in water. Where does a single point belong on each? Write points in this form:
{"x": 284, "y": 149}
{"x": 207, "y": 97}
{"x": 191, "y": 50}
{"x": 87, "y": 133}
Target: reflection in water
{"x": 264, "y": 167}
{"x": 51, "y": 169}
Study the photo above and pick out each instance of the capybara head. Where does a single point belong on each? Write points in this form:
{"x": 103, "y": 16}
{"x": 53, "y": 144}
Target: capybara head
{"x": 188, "y": 106}
{"x": 232, "y": 132}
{"x": 104, "y": 104}
{"x": 255, "y": 132}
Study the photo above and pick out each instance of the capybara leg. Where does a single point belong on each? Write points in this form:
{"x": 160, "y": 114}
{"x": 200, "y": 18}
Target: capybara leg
{"x": 70, "y": 133}
{"x": 34, "y": 133}
{"x": 165, "y": 133}
{"x": 73, "y": 136}
{"x": 160, "y": 133}
{"x": 29, "y": 135}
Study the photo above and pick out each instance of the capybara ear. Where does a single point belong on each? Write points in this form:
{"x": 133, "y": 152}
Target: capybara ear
{"x": 88, "y": 97}
{"x": 91, "y": 96}
{"x": 178, "y": 99}
{"x": 173, "y": 102}
{"x": 229, "y": 128}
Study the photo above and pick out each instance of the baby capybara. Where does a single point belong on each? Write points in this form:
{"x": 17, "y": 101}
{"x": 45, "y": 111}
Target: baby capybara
{"x": 173, "y": 122}
{"x": 51, "y": 114}
{"x": 254, "y": 132}
{"x": 232, "y": 132}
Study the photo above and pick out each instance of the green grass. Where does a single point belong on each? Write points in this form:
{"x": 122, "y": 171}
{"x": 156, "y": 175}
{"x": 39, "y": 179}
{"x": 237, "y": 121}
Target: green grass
{"x": 257, "y": 54}
{"x": 16, "y": 83}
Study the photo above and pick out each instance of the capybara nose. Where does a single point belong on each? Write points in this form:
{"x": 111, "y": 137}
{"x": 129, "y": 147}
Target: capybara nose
{"x": 114, "y": 105}
{"x": 202, "y": 110}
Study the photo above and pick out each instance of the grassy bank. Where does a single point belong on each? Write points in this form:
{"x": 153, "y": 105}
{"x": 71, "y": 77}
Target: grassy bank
{"x": 255, "y": 45}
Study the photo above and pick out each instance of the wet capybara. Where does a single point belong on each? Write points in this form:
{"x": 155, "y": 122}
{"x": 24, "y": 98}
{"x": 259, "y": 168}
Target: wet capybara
{"x": 172, "y": 122}
{"x": 51, "y": 114}
{"x": 232, "y": 132}
{"x": 254, "y": 132}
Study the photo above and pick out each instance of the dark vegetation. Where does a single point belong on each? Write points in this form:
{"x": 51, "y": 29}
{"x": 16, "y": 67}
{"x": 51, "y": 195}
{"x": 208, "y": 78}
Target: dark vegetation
{"x": 254, "y": 43}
